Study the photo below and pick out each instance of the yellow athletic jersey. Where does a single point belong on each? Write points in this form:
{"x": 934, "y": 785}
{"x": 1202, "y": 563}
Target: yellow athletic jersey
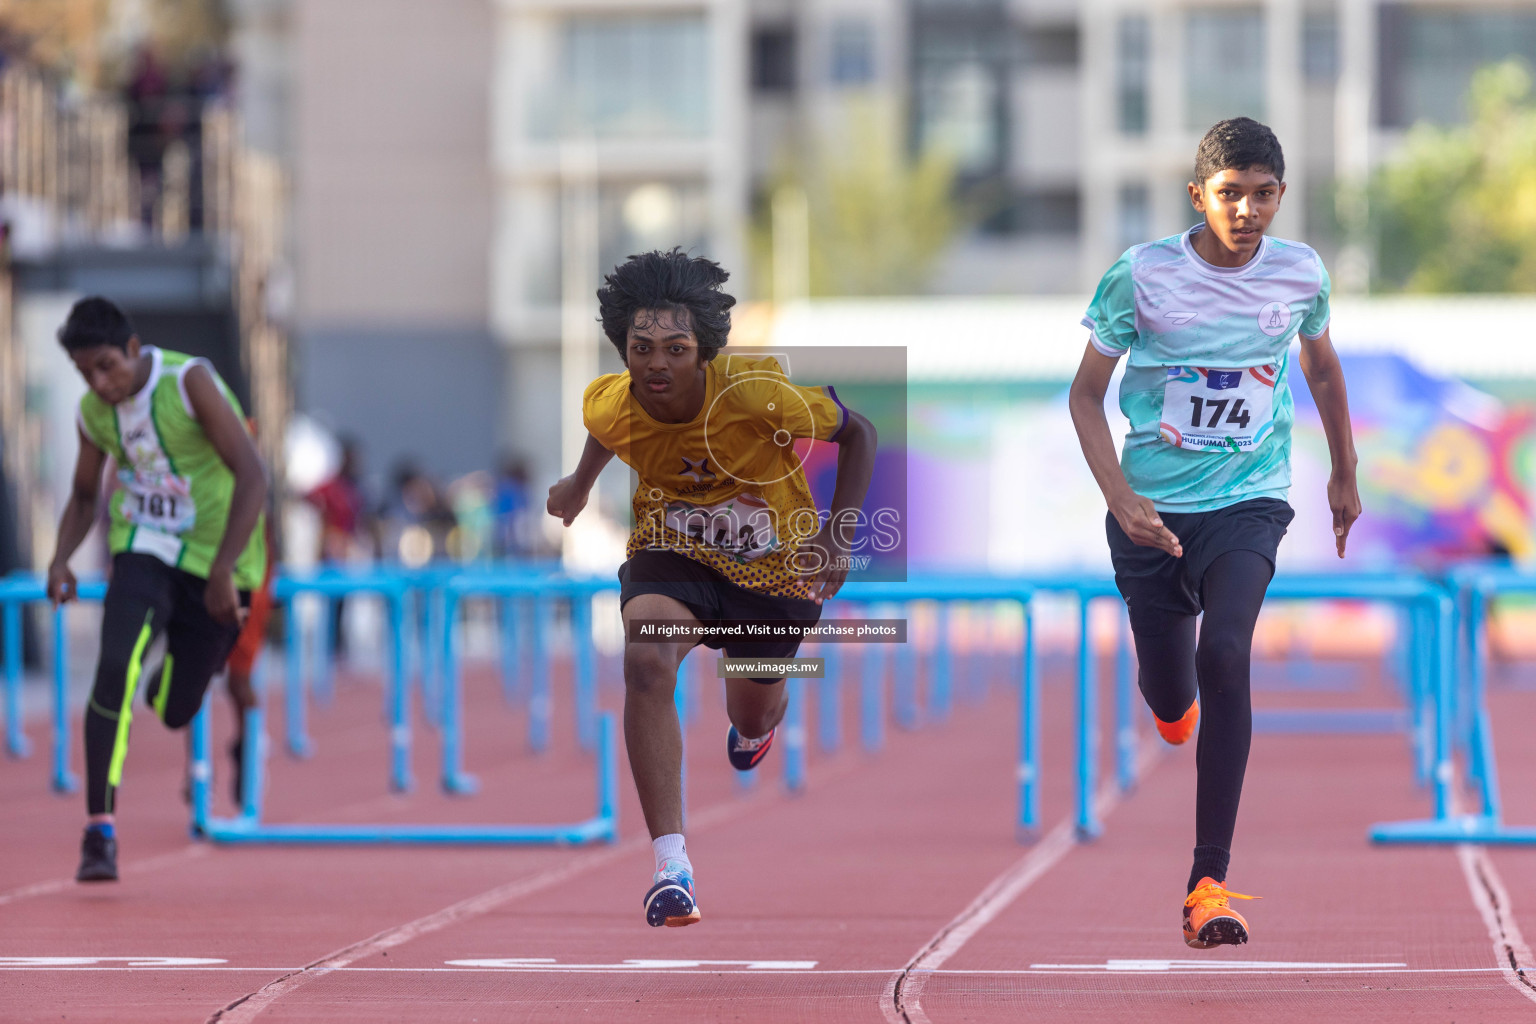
{"x": 726, "y": 488}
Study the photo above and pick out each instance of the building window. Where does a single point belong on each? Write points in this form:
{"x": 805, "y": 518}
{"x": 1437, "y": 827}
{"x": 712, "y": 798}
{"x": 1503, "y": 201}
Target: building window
{"x": 961, "y": 57}
{"x": 853, "y": 52}
{"x": 620, "y": 77}
{"x": 1132, "y": 44}
{"x": 1428, "y": 56}
{"x": 1320, "y": 47}
{"x": 773, "y": 59}
{"x": 1223, "y": 66}
{"x": 1134, "y": 218}
{"x": 1051, "y": 46}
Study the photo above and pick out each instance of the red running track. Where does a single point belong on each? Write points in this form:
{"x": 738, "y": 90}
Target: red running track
{"x": 892, "y": 890}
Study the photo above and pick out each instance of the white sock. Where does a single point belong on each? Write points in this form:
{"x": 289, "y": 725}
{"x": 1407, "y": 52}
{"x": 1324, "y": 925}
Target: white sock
{"x": 671, "y": 848}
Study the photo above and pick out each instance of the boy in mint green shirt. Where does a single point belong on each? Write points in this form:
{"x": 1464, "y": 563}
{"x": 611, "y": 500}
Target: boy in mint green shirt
{"x": 185, "y": 537}
{"x": 1197, "y": 499}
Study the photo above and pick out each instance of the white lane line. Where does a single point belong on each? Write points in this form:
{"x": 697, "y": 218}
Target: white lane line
{"x": 1516, "y": 964}
{"x": 901, "y": 1001}
{"x": 248, "y": 1007}
{"x": 146, "y": 865}
{"x": 1079, "y": 971}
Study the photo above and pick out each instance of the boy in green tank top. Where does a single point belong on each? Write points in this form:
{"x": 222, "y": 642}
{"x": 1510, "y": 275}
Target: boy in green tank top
{"x": 186, "y": 539}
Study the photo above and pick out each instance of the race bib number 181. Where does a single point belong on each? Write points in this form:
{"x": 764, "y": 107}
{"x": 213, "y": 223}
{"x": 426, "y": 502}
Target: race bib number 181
{"x": 1218, "y": 410}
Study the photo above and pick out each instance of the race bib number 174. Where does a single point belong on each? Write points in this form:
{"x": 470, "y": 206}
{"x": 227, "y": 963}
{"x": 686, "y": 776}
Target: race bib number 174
{"x": 1218, "y": 410}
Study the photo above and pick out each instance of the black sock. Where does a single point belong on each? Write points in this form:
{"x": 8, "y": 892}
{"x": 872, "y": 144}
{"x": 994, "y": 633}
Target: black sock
{"x": 1210, "y": 862}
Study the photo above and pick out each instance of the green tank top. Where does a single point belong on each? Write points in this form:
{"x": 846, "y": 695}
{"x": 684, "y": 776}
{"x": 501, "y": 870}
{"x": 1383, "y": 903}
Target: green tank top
{"x": 175, "y": 494}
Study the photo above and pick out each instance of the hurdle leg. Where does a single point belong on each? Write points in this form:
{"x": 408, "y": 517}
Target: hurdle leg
{"x": 299, "y": 744}
{"x": 585, "y": 670}
{"x": 455, "y": 780}
{"x": 1125, "y": 707}
{"x": 1088, "y": 826}
{"x": 202, "y": 770}
{"x": 794, "y": 737}
{"x": 400, "y": 701}
{"x": 1029, "y": 734}
{"x": 538, "y": 691}
{"x": 64, "y": 781}
{"x": 16, "y": 744}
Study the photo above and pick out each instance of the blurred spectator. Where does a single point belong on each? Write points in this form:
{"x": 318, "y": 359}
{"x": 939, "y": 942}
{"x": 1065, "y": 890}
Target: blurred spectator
{"x": 417, "y": 518}
{"x": 347, "y": 531}
{"x": 513, "y": 536}
{"x": 346, "y": 528}
{"x": 145, "y": 94}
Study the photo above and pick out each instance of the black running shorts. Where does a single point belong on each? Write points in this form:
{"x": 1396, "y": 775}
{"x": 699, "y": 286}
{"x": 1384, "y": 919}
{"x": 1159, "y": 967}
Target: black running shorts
{"x": 714, "y": 599}
{"x": 1159, "y": 588}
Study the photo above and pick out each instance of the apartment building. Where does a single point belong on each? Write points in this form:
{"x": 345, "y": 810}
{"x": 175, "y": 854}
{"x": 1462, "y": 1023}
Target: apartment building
{"x": 466, "y": 170}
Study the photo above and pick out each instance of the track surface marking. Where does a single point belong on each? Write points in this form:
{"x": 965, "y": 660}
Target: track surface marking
{"x": 901, "y": 1002}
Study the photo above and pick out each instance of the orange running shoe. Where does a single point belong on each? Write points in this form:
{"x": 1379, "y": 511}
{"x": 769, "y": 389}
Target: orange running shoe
{"x": 1183, "y": 729}
{"x": 1208, "y": 921}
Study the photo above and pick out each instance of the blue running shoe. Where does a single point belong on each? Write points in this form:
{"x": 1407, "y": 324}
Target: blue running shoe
{"x": 745, "y": 753}
{"x": 670, "y": 899}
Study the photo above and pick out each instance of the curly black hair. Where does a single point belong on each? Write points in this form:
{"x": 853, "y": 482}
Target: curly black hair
{"x": 93, "y": 322}
{"x": 667, "y": 281}
{"x": 1239, "y": 144}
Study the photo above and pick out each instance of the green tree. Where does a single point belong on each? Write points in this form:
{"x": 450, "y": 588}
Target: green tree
{"x": 1455, "y": 211}
{"x": 877, "y": 219}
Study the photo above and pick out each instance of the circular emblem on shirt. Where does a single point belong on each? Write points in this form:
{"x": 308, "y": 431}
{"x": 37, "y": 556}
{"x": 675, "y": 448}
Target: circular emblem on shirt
{"x": 1274, "y": 318}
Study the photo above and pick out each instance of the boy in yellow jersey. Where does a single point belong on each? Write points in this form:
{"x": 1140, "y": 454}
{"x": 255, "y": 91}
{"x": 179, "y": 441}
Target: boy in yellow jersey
{"x": 725, "y": 526}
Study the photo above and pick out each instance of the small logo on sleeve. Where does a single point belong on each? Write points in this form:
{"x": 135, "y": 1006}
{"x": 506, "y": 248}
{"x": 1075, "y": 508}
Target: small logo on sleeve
{"x": 1274, "y": 318}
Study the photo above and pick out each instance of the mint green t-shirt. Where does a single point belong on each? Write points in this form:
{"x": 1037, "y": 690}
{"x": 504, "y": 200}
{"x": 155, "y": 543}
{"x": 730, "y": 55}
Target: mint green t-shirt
{"x": 1207, "y": 376}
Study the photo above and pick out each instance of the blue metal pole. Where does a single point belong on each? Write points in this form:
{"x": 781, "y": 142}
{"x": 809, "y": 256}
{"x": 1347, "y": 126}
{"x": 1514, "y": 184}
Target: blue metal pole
{"x": 872, "y": 698}
{"x": 1029, "y": 733}
{"x": 202, "y": 770}
{"x": 794, "y": 737}
{"x": 400, "y": 693}
{"x": 941, "y": 689}
{"x": 608, "y": 774}
{"x": 1445, "y": 669}
{"x": 293, "y": 684}
{"x": 1481, "y": 757}
{"x": 1473, "y": 665}
{"x": 1421, "y": 655}
{"x": 1125, "y": 706}
{"x": 16, "y": 744}
{"x": 682, "y": 737}
{"x": 325, "y": 674}
{"x": 511, "y": 649}
{"x": 585, "y": 668}
{"x": 905, "y": 686}
{"x": 455, "y": 779}
{"x": 538, "y": 691}
{"x": 1087, "y": 726}
{"x": 64, "y": 780}
{"x": 433, "y": 623}
{"x": 253, "y": 757}
{"x": 829, "y": 711}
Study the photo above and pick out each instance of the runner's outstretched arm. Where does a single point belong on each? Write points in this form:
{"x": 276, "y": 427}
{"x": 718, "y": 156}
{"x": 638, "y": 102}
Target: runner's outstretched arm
{"x": 1325, "y": 377}
{"x": 569, "y": 494}
{"x": 79, "y": 514}
{"x": 1135, "y": 514}
{"x": 856, "y": 444}
{"x": 233, "y": 442}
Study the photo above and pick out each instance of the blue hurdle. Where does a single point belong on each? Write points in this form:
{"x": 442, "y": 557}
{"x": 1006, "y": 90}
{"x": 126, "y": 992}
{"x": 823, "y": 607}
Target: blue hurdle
{"x": 16, "y": 591}
{"x": 961, "y": 588}
{"x": 333, "y": 583}
{"x": 1421, "y": 597}
{"x": 1474, "y": 585}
